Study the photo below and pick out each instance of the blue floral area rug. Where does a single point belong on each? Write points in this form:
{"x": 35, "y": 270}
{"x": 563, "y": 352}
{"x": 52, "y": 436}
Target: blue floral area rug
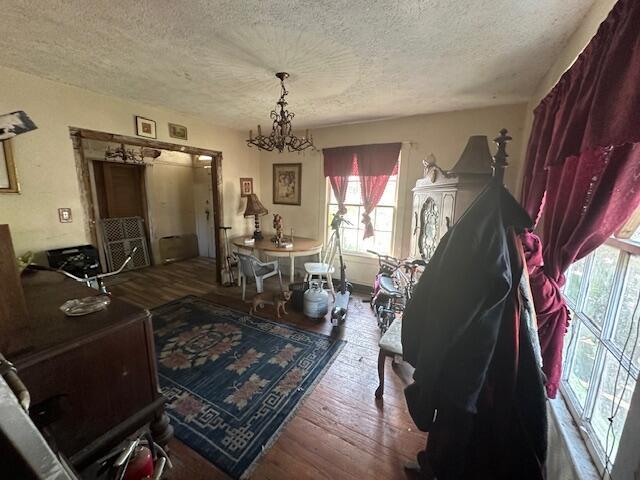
{"x": 233, "y": 380}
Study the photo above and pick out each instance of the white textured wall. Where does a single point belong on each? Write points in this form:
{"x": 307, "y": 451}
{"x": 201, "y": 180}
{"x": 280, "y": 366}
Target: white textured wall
{"x": 46, "y": 166}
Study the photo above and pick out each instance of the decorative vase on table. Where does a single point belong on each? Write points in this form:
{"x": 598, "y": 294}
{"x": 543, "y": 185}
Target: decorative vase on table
{"x": 277, "y": 226}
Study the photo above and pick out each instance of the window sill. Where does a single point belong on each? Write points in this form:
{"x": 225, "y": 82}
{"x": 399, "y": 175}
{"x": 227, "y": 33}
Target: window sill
{"x": 581, "y": 462}
{"x": 364, "y": 256}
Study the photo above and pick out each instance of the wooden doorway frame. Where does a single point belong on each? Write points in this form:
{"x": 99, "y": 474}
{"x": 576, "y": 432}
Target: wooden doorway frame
{"x": 82, "y": 169}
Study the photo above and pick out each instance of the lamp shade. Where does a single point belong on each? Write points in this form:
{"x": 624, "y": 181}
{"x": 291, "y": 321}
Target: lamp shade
{"x": 254, "y": 206}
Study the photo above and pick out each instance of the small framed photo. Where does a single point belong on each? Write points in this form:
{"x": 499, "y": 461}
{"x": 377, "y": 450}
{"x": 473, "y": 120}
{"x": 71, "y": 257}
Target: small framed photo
{"x": 177, "y": 131}
{"x": 287, "y": 183}
{"x": 145, "y": 127}
{"x": 246, "y": 187}
{"x": 8, "y": 173}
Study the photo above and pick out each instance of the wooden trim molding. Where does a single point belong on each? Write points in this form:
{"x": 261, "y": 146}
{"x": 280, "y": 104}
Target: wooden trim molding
{"x": 14, "y": 185}
{"x": 139, "y": 142}
{"x": 218, "y": 212}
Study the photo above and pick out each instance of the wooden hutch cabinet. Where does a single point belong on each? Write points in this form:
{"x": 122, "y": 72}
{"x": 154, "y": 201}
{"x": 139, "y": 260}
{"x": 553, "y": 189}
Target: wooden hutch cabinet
{"x": 441, "y": 197}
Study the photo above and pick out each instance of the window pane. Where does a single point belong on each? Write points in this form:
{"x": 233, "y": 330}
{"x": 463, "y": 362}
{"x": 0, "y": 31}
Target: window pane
{"x": 600, "y": 283}
{"x": 353, "y": 192}
{"x": 333, "y": 209}
{"x": 611, "y": 391}
{"x": 389, "y": 195}
{"x": 368, "y": 244}
{"x": 582, "y": 365}
{"x": 574, "y": 280}
{"x": 636, "y": 236}
{"x": 350, "y": 239}
{"x": 626, "y": 328}
{"x": 569, "y": 339}
{"x": 332, "y": 197}
{"x": 382, "y": 242}
{"x": 383, "y": 219}
{"x": 352, "y": 216}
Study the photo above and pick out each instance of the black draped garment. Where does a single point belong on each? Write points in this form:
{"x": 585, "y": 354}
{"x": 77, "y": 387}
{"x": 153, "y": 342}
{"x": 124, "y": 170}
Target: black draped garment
{"x": 474, "y": 362}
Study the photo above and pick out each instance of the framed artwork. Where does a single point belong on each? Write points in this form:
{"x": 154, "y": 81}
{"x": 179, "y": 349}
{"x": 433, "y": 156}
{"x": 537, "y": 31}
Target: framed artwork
{"x": 15, "y": 123}
{"x": 246, "y": 187}
{"x": 177, "y": 131}
{"x": 8, "y": 174}
{"x": 287, "y": 183}
{"x": 145, "y": 127}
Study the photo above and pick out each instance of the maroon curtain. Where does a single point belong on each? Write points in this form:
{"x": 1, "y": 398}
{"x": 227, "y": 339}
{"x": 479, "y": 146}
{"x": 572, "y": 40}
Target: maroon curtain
{"x": 339, "y": 164}
{"x": 374, "y": 164}
{"x": 582, "y": 173}
{"x": 339, "y": 186}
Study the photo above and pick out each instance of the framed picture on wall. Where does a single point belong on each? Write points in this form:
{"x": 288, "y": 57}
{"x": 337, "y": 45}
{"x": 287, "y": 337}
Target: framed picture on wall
{"x": 8, "y": 174}
{"x": 246, "y": 187}
{"x": 145, "y": 127}
{"x": 287, "y": 183}
{"x": 177, "y": 131}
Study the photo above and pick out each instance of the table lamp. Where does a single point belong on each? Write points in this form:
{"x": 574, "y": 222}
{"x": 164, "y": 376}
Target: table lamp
{"x": 255, "y": 208}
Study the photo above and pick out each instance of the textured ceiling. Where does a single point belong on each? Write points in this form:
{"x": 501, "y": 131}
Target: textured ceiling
{"x": 349, "y": 61}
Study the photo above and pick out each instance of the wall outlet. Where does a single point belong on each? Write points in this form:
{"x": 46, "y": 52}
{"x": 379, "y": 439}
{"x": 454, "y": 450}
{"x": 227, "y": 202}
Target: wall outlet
{"x": 64, "y": 215}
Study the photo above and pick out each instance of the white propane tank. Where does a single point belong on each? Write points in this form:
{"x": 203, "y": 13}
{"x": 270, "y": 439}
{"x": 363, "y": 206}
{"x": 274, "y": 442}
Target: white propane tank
{"x": 316, "y": 300}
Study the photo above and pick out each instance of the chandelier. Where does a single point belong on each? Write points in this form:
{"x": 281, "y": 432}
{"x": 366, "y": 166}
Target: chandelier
{"x": 281, "y": 136}
{"x": 122, "y": 154}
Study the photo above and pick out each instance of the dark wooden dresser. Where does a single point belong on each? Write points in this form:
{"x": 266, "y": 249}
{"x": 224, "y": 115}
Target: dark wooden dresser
{"x": 98, "y": 372}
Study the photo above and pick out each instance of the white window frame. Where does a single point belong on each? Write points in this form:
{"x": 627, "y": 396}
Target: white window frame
{"x": 394, "y": 221}
{"x": 603, "y": 334}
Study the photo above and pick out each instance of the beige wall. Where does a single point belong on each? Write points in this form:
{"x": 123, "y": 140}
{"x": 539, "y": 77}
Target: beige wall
{"x": 170, "y": 184}
{"x": 45, "y": 159}
{"x": 443, "y": 134}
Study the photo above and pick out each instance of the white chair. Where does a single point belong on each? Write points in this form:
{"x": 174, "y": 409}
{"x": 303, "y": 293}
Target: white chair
{"x": 324, "y": 269}
{"x": 250, "y": 266}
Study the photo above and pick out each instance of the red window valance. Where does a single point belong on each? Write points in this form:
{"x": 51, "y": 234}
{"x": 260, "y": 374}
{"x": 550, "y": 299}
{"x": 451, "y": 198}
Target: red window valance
{"x": 363, "y": 160}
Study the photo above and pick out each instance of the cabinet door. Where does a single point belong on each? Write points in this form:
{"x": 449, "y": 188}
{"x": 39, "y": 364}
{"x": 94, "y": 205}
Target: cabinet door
{"x": 100, "y": 383}
{"x": 448, "y": 211}
{"x": 430, "y": 217}
{"x": 415, "y": 224}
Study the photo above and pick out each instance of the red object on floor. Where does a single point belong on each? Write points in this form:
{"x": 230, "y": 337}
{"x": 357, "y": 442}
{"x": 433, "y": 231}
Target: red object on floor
{"x": 140, "y": 466}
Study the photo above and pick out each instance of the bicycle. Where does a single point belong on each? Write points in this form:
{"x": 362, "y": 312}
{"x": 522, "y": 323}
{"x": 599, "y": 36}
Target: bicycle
{"x": 392, "y": 287}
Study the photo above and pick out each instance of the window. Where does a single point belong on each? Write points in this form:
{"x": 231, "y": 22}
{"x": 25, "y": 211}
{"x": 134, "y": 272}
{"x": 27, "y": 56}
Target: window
{"x": 382, "y": 217}
{"x": 602, "y": 354}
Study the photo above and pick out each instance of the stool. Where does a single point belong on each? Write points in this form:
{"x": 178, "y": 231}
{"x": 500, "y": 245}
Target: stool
{"x": 390, "y": 346}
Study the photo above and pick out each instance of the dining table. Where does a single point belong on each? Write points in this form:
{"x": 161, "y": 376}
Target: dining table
{"x": 302, "y": 247}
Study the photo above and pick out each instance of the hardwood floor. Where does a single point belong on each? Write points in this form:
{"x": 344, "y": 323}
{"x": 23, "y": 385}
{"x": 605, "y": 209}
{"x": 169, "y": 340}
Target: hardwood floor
{"x": 340, "y": 431}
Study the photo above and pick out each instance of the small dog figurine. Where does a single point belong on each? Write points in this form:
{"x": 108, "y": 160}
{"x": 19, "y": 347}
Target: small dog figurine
{"x": 278, "y": 300}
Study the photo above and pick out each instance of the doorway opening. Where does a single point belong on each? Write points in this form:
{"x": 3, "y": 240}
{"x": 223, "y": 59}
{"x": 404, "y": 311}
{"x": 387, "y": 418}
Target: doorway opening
{"x": 167, "y": 201}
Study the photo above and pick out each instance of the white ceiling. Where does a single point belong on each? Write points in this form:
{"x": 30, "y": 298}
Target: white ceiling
{"x": 349, "y": 60}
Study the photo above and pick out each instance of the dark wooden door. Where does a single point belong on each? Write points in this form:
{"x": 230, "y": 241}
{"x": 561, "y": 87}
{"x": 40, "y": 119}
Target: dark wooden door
{"x": 120, "y": 189}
